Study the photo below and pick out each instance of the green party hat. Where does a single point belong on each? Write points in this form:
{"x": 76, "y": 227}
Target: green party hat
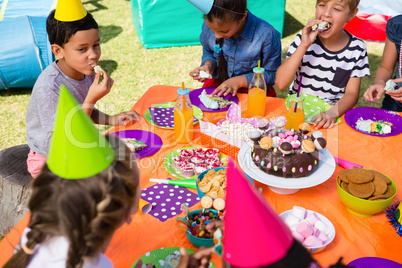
{"x": 77, "y": 149}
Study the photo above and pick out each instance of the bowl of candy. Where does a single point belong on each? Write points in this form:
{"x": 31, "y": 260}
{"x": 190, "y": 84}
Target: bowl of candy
{"x": 368, "y": 198}
{"x": 194, "y": 226}
{"x": 212, "y": 182}
{"x": 313, "y": 230}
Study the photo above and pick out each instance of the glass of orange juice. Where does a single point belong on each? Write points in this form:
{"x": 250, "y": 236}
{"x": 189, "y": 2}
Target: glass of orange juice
{"x": 295, "y": 115}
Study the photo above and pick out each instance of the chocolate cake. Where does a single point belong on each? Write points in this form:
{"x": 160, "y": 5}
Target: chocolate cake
{"x": 286, "y": 153}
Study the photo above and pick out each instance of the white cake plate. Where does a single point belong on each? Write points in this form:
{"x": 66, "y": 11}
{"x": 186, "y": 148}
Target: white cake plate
{"x": 280, "y": 185}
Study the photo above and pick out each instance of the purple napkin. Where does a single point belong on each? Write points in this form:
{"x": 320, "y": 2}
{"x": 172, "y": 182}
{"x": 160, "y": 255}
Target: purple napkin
{"x": 166, "y": 200}
{"x": 164, "y": 117}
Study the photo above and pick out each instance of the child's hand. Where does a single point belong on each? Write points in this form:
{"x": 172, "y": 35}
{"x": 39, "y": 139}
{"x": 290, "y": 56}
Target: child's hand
{"x": 325, "y": 120}
{"x": 122, "y": 118}
{"x": 374, "y": 93}
{"x": 199, "y": 259}
{"x": 214, "y": 225}
{"x": 397, "y": 93}
{"x": 195, "y": 74}
{"x": 99, "y": 89}
{"x": 229, "y": 86}
{"x": 308, "y": 35}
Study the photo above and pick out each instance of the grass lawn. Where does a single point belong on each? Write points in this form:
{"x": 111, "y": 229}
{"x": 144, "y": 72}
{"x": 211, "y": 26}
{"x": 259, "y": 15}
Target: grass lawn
{"x": 135, "y": 69}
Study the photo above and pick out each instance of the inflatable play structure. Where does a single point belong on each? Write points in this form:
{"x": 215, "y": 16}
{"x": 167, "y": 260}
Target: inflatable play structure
{"x": 24, "y": 46}
{"x": 159, "y": 24}
{"x": 371, "y": 20}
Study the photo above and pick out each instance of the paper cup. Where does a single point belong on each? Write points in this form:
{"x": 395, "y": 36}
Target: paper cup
{"x": 145, "y": 206}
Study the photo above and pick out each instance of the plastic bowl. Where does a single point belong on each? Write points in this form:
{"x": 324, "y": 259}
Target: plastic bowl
{"x": 199, "y": 241}
{"x": 202, "y": 174}
{"x": 362, "y": 207}
{"x": 325, "y": 220}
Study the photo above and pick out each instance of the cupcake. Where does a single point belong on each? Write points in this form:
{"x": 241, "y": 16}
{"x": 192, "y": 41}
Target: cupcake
{"x": 212, "y": 153}
{"x": 187, "y": 170}
{"x": 215, "y": 164}
{"x": 200, "y": 168}
{"x": 197, "y": 160}
{"x": 200, "y": 152}
{"x": 186, "y": 153}
{"x": 178, "y": 160}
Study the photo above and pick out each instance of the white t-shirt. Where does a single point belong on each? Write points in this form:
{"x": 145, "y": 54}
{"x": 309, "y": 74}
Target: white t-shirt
{"x": 52, "y": 253}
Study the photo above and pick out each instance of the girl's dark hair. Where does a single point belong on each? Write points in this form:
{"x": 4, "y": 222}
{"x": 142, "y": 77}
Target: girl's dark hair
{"x": 223, "y": 11}
{"x": 85, "y": 211}
{"x": 60, "y": 32}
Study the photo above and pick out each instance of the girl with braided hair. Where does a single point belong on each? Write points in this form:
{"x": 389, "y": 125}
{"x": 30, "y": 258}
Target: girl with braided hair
{"x": 88, "y": 187}
{"x": 233, "y": 41}
{"x": 73, "y": 220}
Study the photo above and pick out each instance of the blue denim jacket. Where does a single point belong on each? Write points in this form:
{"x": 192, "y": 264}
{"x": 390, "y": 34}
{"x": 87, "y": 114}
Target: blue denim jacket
{"x": 258, "y": 41}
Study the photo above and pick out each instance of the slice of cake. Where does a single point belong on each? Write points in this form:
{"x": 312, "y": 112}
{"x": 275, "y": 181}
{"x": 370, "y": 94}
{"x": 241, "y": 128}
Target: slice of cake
{"x": 213, "y": 102}
{"x": 134, "y": 144}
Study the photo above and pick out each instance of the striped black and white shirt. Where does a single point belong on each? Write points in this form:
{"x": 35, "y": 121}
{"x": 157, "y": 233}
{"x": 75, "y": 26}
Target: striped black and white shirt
{"x": 326, "y": 73}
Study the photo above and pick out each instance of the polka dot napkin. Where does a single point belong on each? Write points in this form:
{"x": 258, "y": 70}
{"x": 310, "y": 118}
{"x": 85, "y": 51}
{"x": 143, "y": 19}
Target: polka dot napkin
{"x": 164, "y": 117}
{"x": 166, "y": 200}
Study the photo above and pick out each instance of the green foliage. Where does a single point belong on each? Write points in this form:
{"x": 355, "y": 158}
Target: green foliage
{"x": 135, "y": 69}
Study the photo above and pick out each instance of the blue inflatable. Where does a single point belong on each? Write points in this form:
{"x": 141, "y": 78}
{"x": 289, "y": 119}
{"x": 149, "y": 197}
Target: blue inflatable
{"x": 25, "y": 50}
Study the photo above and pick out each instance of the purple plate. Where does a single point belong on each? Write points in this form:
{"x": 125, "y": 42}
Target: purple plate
{"x": 153, "y": 141}
{"x": 374, "y": 114}
{"x": 195, "y": 100}
{"x": 374, "y": 262}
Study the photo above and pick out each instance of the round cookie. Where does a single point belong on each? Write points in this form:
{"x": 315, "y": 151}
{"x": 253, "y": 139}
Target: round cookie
{"x": 343, "y": 175}
{"x": 390, "y": 191}
{"x": 380, "y": 186}
{"x": 308, "y": 146}
{"x": 305, "y": 128}
{"x": 345, "y": 187}
{"x": 266, "y": 143}
{"x": 380, "y": 176}
{"x": 359, "y": 176}
{"x": 362, "y": 190}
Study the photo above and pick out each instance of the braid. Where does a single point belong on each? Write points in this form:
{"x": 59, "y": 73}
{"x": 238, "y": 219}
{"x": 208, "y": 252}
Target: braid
{"x": 43, "y": 219}
{"x": 85, "y": 211}
{"x": 222, "y": 63}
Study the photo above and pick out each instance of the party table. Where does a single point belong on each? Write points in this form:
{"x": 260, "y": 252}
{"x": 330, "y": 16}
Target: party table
{"x": 355, "y": 237}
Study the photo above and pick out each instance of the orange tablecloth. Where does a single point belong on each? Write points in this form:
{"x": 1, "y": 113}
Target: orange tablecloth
{"x": 355, "y": 236}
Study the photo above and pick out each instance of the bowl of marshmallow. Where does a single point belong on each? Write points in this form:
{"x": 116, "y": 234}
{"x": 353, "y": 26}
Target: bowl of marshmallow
{"x": 313, "y": 230}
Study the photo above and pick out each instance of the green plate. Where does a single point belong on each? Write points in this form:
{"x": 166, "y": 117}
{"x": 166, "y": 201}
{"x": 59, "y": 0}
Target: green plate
{"x": 157, "y": 257}
{"x": 168, "y": 163}
{"x": 312, "y": 106}
{"x": 197, "y": 113}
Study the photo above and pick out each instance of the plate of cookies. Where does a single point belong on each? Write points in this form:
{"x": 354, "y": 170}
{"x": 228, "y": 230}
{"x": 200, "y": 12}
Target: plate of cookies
{"x": 365, "y": 192}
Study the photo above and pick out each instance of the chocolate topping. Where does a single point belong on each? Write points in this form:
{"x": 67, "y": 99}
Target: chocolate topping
{"x": 320, "y": 143}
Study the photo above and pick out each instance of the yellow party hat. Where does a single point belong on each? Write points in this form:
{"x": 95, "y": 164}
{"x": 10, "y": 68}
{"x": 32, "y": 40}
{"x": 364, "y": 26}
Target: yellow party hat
{"x": 69, "y": 10}
{"x": 77, "y": 149}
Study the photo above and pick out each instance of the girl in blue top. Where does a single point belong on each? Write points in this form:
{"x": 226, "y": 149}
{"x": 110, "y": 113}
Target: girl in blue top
{"x": 391, "y": 57}
{"x": 233, "y": 40}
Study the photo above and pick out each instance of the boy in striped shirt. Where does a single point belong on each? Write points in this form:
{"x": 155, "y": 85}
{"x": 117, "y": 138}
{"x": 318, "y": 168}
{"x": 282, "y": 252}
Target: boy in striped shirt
{"x": 331, "y": 62}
